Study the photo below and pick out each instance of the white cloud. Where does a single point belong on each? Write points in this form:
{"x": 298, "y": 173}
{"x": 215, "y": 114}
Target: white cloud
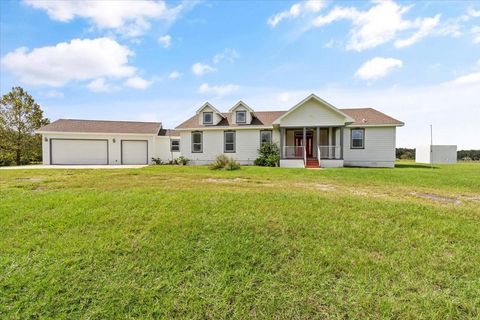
{"x": 472, "y": 78}
{"x": 165, "y": 41}
{"x": 476, "y": 34}
{"x": 284, "y": 97}
{"x": 377, "y": 68}
{"x": 220, "y": 90}
{"x": 229, "y": 55}
{"x": 199, "y": 69}
{"x": 127, "y": 17}
{"x": 53, "y": 94}
{"x": 137, "y": 83}
{"x": 473, "y": 13}
{"x": 295, "y": 10}
{"x": 381, "y": 23}
{"x": 79, "y": 59}
{"x": 426, "y": 26}
{"x": 99, "y": 85}
{"x": 174, "y": 75}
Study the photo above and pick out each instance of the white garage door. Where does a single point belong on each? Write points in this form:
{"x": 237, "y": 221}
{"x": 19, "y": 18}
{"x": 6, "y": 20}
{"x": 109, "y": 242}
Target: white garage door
{"x": 71, "y": 151}
{"x": 134, "y": 151}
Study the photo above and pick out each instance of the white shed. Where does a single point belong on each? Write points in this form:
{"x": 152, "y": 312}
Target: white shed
{"x": 437, "y": 154}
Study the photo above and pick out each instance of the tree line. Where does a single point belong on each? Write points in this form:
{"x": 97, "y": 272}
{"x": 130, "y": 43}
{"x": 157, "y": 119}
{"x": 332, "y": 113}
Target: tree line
{"x": 465, "y": 155}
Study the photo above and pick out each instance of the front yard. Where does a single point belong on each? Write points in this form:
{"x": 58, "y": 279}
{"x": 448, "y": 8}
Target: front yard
{"x": 188, "y": 242}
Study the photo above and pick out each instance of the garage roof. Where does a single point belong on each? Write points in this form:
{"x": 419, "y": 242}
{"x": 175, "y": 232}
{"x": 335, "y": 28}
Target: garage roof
{"x": 102, "y": 126}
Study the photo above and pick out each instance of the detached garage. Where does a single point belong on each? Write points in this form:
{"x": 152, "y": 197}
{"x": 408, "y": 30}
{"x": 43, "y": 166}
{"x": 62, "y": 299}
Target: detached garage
{"x": 98, "y": 142}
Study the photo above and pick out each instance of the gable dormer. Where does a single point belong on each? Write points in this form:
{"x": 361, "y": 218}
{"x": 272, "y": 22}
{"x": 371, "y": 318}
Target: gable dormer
{"x": 209, "y": 115}
{"x": 241, "y": 113}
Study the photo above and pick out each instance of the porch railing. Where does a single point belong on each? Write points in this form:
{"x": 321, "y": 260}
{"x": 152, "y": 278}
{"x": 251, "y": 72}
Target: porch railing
{"x": 321, "y": 152}
{"x": 293, "y": 152}
{"x": 329, "y": 152}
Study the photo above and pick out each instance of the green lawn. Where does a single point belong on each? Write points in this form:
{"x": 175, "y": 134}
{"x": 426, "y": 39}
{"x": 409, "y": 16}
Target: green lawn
{"x": 188, "y": 242}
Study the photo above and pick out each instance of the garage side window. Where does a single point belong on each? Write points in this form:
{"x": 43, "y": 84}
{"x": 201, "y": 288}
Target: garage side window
{"x": 175, "y": 145}
{"x": 357, "y": 138}
{"x": 229, "y": 141}
{"x": 197, "y": 142}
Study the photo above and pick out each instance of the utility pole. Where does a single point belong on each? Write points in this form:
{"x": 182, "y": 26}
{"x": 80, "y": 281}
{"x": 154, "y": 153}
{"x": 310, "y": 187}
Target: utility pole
{"x": 431, "y": 146}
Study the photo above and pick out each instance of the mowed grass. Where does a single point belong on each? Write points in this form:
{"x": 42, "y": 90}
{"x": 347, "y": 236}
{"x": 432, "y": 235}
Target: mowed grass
{"x": 188, "y": 242}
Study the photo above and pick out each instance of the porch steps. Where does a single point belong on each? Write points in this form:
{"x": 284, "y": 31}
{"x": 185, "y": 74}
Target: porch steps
{"x": 312, "y": 163}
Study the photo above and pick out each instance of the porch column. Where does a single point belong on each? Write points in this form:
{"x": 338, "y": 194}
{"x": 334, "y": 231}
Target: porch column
{"x": 304, "y": 141}
{"x": 318, "y": 142}
{"x": 341, "y": 143}
{"x": 282, "y": 137}
{"x": 334, "y": 142}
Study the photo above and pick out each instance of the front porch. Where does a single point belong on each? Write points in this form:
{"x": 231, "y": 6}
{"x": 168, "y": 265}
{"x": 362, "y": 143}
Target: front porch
{"x": 310, "y": 147}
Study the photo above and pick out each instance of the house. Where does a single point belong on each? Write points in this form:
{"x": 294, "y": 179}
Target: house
{"x": 313, "y": 133}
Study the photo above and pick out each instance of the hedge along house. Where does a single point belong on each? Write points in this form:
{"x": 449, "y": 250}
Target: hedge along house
{"x": 313, "y": 133}
{"x": 69, "y": 141}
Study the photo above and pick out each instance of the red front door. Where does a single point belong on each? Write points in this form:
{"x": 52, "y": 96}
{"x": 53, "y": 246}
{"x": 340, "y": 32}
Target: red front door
{"x": 299, "y": 143}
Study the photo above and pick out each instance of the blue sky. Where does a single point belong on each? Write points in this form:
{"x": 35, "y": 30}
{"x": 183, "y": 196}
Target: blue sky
{"x": 159, "y": 61}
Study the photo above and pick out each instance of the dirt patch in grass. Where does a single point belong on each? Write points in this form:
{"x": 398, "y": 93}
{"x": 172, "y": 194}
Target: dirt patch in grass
{"x": 317, "y": 186}
{"x": 472, "y": 198}
{"x": 29, "y": 179}
{"x": 225, "y": 180}
{"x": 435, "y": 197}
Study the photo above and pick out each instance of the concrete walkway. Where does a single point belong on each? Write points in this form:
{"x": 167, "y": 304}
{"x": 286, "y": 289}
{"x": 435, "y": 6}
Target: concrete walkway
{"x": 78, "y": 166}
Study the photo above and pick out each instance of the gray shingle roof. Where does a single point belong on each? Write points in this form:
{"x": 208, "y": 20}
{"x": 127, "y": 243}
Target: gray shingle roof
{"x": 102, "y": 126}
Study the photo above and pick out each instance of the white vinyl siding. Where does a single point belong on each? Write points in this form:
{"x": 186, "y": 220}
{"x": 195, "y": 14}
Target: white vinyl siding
{"x": 247, "y": 142}
{"x": 313, "y": 113}
{"x": 379, "y": 148}
{"x": 163, "y": 148}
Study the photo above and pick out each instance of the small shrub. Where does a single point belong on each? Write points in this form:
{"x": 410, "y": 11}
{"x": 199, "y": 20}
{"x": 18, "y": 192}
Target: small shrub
{"x": 232, "y": 165}
{"x": 224, "y": 162}
{"x": 182, "y": 160}
{"x": 157, "y": 160}
{"x": 269, "y": 155}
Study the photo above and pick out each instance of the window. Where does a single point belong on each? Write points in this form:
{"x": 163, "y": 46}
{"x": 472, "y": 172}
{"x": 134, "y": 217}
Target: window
{"x": 197, "y": 143}
{"x": 174, "y": 145}
{"x": 265, "y": 136}
{"x": 208, "y": 118}
{"x": 229, "y": 139}
{"x": 241, "y": 116}
{"x": 357, "y": 139}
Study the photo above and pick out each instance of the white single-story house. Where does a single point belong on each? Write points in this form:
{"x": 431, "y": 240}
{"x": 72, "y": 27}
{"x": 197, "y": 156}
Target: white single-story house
{"x": 313, "y": 133}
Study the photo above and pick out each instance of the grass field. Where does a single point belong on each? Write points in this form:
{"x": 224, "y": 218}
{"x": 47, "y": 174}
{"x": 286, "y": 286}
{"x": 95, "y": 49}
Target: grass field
{"x": 188, "y": 242}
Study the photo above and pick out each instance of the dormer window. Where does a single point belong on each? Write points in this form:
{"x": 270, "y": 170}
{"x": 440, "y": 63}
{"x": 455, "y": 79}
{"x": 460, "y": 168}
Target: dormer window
{"x": 208, "y": 118}
{"x": 241, "y": 116}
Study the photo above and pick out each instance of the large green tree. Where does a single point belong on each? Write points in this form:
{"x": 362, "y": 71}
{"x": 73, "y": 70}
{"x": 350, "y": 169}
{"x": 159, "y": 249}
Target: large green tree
{"x": 20, "y": 116}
